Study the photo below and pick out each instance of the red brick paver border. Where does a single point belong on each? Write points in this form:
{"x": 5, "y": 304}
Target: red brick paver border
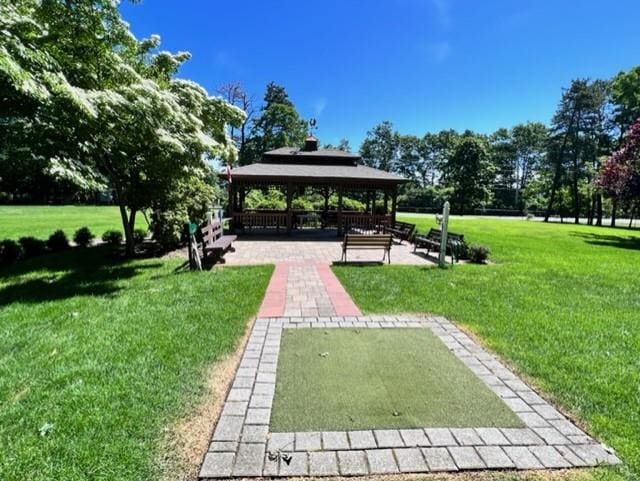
{"x": 342, "y": 302}
{"x": 275, "y": 296}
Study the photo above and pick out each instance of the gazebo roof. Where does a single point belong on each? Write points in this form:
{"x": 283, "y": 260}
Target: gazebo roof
{"x": 312, "y": 165}
{"x": 313, "y": 172}
{"x": 293, "y": 155}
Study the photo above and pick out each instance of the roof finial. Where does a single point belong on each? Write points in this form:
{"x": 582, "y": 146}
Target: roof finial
{"x": 312, "y": 126}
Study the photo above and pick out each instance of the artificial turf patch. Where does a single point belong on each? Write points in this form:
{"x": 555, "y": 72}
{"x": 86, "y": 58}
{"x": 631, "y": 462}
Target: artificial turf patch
{"x": 344, "y": 379}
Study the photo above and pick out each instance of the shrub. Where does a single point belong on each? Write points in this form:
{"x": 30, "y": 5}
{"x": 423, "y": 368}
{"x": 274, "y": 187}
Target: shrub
{"x": 10, "y": 252}
{"x": 83, "y": 237}
{"x": 139, "y": 235}
{"x": 112, "y": 237}
{"x": 188, "y": 201}
{"x": 58, "y": 241}
{"x": 33, "y": 247}
{"x": 478, "y": 254}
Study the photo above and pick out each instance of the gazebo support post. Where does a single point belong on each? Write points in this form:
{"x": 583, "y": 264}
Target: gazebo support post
{"x": 386, "y": 202}
{"x": 394, "y": 199}
{"x": 231, "y": 206}
{"x": 289, "y": 213}
{"x": 339, "y": 216}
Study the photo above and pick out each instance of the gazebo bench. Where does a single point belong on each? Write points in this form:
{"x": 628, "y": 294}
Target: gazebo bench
{"x": 361, "y": 241}
{"x": 431, "y": 241}
{"x": 401, "y": 230}
{"x": 214, "y": 243}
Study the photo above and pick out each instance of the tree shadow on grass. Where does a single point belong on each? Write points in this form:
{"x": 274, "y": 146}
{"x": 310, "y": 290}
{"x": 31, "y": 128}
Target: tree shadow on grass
{"x": 620, "y": 242}
{"x": 78, "y": 272}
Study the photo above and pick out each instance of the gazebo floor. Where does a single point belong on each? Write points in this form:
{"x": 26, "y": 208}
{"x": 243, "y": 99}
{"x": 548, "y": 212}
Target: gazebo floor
{"x": 316, "y": 246}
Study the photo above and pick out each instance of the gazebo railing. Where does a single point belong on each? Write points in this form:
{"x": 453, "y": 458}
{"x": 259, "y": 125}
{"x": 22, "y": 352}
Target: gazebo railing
{"x": 263, "y": 219}
{"x": 364, "y": 223}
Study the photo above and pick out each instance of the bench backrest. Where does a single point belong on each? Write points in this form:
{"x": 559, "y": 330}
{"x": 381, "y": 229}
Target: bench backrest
{"x": 451, "y": 236}
{"x": 404, "y": 226}
{"x": 378, "y": 240}
{"x": 211, "y": 232}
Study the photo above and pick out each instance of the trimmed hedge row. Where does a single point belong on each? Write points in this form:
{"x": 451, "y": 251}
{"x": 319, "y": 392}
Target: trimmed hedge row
{"x": 26, "y": 247}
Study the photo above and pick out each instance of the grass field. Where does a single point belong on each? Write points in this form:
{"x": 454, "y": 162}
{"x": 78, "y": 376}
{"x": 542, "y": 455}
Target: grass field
{"x": 560, "y": 302}
{"x": 99, "y": 356}
{"x": 41, "y": 220}
{"x": 339, "y": 379}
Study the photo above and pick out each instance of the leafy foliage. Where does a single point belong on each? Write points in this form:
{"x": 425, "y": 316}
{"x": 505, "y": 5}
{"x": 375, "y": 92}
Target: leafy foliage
{"x": 112, "y": 237}
{"x": 83, "y": 237}
{"x": 78, "y": 80}
{"x": 139, "y": 235}
{"x": 33, "y": 247}
{"x": 10, "y": 252}
{"x": 189, "y": 201}
{"x": 478, "y": 254}
{"x": 58, "y": 241}
{"x": 620, "y": 175}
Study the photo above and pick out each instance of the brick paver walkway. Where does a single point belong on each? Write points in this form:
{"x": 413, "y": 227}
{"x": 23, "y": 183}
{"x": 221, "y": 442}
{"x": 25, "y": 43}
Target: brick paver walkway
{"x": 307, "y": 290}
{"x": 307, "y": 295}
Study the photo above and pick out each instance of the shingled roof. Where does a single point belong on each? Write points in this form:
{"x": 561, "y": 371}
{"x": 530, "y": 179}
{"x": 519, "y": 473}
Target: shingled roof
{"x": 311, "y": 164}
{"x": 325, "y": 172}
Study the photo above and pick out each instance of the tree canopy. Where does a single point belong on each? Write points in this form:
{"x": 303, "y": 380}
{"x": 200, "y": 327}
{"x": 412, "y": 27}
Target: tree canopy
{"x": 87, "y": 102}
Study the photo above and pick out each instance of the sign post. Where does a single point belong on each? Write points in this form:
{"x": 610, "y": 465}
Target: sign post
{"x": 444, "y": 226}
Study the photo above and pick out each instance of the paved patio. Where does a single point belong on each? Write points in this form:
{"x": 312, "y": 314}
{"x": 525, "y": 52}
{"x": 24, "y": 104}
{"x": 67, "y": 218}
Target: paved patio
{"x": 316, "y": 246}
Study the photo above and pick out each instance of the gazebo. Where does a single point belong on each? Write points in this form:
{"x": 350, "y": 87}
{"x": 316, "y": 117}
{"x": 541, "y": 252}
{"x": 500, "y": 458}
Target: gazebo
{"x": 327, "y": 171}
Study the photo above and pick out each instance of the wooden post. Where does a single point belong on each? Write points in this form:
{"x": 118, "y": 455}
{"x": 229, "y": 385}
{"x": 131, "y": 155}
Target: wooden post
{"x": 443, "y": 236}
{"x": 394, "y": 199}
{"x": 339, "y": 217}
{"x": 289, "y": 214}
{"x": 386, "y": 202}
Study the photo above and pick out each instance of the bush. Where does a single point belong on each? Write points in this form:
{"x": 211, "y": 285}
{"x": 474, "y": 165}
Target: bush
{"x": 58, "y": 241}
{"x": 187, "y": 202}
{"x": 83, "y": 237}
{"x": 112, "y": 237}
{"x": 478, "y": 254}
{"x": 33, "y": 247}
{"x": 10, "y": 252}
{"x": 139, "y": 235}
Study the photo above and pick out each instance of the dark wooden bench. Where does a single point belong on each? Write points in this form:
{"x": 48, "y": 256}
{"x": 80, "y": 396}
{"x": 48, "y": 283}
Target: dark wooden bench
{"x": 401, "y": 230}
{"x": 431, "y": 241}
{"x": 214, "y": 243}
{"x": 361, "y": 241}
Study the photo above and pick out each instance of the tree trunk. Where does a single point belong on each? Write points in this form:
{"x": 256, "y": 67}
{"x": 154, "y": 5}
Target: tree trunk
{"x": 574, "y": 188}
{"x": 599, "y": 209}
{"x": 128, "y": 223}
{"x": 614, "y": 209}
{"x": 631, "y": 216}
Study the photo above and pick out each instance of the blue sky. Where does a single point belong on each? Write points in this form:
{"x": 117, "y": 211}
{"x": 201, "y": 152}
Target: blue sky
{"x": 425, "y": 65}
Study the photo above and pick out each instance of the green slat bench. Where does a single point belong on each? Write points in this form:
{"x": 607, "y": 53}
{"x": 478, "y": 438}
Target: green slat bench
{"x": 400, "y": 230}
{"x": 362, "y": 241}
{"x": 214, "y": 243}
{"x": 431, "y": 241}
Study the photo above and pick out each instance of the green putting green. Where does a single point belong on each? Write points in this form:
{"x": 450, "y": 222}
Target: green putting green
{"x": 343, "y": 379}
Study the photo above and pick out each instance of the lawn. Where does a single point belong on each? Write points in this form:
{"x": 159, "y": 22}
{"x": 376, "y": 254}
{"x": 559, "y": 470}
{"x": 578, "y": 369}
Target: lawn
{"x": 343, "y": 379}
{"x": 41, "y": 220}
{"x": 99, "y": 356}
{"x": 560, "y": 302}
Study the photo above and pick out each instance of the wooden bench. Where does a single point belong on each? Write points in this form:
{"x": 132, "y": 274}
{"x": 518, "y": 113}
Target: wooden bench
{"x": 214, "y": 243}
{"x": 431, "y": 240}
{"x": 360, "y": 241}
{"x": 401, "y": 230}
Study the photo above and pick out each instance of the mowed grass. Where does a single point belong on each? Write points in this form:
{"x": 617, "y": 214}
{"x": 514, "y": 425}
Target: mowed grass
{"x": 560, "y": 302}
{"x": 339, "y": 379}
{"x": 42, "y": 220}
{"x": 99, "y": 356}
